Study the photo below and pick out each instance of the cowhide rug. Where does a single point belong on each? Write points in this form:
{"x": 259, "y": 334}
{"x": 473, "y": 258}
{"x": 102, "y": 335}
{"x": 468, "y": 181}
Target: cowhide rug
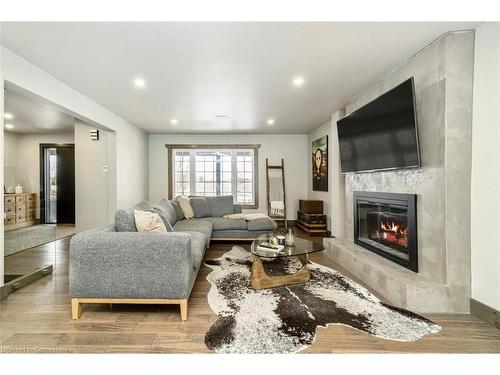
{"x": 284, "y": 319}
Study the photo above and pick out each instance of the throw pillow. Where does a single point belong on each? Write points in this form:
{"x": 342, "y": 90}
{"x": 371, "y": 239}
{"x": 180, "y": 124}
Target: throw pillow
{"x": 124, "y": 218}
{"x": 221, "y": 206}
{"x": 177, "y": 208}
{"x": 200, "y": 207}
{"x": 160, "y": 210}
{"x": 168, "y": 210}
{"x": 186, "y": 208}
{"x": 146, "y": 221}
{"x": 124, "y": 221}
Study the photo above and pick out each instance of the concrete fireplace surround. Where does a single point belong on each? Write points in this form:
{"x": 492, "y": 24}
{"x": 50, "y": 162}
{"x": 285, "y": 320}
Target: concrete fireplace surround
{"x": 443, "y": 73}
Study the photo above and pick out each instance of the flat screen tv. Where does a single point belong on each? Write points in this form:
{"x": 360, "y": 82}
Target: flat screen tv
{"x": 382, "y": 134}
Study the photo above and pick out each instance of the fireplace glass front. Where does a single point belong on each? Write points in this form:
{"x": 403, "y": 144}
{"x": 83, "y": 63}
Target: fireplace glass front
{"x": 385, "y": 223}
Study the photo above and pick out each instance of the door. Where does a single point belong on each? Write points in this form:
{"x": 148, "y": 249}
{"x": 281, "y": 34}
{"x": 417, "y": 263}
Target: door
{"x": 57, "y": 183}
{"x": 65, "y": 185}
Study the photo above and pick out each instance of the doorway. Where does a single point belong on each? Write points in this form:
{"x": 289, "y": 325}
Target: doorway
{"x": 57, "y": 183}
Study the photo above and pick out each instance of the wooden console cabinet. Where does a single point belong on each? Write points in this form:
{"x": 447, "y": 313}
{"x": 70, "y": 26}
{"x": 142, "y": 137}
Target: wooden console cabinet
{"x": 19, "y": 210}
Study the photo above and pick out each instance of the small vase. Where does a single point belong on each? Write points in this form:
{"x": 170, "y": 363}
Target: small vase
{"x": 290, "y": 237}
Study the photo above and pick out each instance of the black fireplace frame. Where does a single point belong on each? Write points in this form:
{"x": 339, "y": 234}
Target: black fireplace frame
{"x": 409, "y": 201}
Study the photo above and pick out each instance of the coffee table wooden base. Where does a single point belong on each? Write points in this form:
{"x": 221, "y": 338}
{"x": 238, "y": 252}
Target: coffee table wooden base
{"x": 261, "y": 280}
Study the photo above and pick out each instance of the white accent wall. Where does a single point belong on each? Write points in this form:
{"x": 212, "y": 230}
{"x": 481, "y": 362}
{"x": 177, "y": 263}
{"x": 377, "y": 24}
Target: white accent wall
{"x": 94, "y": 177}
{"x": 485, "y": 187}
{"x": 325, "y": 196}
{"x": 334, "y": 198}
{"x": 292, "y": 148}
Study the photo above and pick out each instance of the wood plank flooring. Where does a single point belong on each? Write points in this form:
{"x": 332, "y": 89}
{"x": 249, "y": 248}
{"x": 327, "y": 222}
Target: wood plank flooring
{"x": 38, "y": 317}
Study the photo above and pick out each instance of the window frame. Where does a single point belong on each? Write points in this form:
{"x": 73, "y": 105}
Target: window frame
{"x": 234, "y": 148}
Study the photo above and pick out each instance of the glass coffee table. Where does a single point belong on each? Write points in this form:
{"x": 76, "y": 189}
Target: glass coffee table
{"x": 301, "y": 249}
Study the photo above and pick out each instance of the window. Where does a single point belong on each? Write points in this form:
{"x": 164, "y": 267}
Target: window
{"x": 244, "y": 181}
{"x": 214, "y": 171}
{"x": 182, "y": 174}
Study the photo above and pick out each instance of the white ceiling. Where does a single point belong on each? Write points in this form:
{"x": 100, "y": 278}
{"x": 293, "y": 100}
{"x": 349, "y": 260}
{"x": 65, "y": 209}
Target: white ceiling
{"x": 33, "y": 115}
{"x": 195, "y": 71}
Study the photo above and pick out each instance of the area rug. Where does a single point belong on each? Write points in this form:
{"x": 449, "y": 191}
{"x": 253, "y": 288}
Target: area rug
{"x": 17, "y": 240}
{"x": 285, "y": 319}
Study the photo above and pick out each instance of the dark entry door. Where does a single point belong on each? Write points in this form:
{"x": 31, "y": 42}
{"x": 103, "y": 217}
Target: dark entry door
{"x": 57, "y": 183}
{"x": 66, "y": 185}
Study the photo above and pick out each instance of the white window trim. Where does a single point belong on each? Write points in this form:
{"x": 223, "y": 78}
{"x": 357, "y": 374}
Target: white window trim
{"x": 192, "y": 149}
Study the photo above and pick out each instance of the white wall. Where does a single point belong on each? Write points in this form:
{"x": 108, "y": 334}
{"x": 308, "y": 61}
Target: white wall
{"x": 10, "y": 144}
{"x": 485, "y": 194}
{"x": 131, "y": 152}
{"x": 292, "y": 148}
{"x": 131, "y": 142}
{"x": 337, "y": 190}
{"x": 325, "y": 196}
{"x": 94, "y": 185}
{"x": 10, "y": 147}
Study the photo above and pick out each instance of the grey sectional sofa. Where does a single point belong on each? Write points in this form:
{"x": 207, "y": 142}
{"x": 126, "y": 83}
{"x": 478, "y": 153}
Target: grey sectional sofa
{"x": 117, "y": 264}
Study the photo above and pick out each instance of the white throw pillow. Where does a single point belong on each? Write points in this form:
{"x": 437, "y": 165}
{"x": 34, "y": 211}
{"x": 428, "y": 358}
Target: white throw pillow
{"x": 146, "y": 221}
{"x": 185, "y": 206}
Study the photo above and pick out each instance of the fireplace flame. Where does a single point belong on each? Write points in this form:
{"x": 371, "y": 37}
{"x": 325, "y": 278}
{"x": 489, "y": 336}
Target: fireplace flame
{"x": 389, "y": 227}
{"x": 393, "y": 232}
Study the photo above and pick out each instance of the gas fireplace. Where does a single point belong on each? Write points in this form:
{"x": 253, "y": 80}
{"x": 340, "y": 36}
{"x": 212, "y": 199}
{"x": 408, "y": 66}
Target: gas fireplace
{"x": 386, "y": 223}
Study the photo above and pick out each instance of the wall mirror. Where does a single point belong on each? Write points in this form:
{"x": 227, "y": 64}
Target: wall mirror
{"x": 39, "y": 187}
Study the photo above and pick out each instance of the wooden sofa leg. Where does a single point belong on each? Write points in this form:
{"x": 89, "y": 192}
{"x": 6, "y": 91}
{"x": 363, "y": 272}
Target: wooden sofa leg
{"x": 76, "y": 308}
{"x": 184, "y": 309}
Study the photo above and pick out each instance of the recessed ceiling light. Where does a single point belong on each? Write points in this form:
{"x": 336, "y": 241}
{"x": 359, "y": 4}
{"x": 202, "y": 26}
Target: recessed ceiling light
{"x": 270, "y": 121}
{"x": 174, "y": 121}
{"x": 140, "y": 83}
{"x": 8, "y": 116}
{"x": 298, "y": 81}
{"x": 9, "y": 126}
{"x": 221, "y": 117}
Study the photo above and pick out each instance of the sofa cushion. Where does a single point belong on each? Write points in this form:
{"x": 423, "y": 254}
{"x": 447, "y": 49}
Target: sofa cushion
{"x": 238, "y": 233}
{"x": 178, "y": 210}
{"x": 147, "y": 221}
{"x": 186, "y": 207}
{"x": 124, "y": 218}
{"x": 195, "y": 225}
{"x": 262, "y": 224}
{"x": 200, "y": 207}
{"x": 163, "y": 216}
{"x": 221, "y": 223}
{"x": 198, "y": 246}
{"x": 221, "y": 206}
{"x": 168, "y": 210}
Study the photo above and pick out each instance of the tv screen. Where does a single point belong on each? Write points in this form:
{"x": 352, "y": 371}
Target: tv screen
{"x": 382, "y": 134}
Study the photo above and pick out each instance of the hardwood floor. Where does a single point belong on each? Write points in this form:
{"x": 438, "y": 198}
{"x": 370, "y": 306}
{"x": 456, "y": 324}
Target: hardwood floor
{"x": 37, "y": 318}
